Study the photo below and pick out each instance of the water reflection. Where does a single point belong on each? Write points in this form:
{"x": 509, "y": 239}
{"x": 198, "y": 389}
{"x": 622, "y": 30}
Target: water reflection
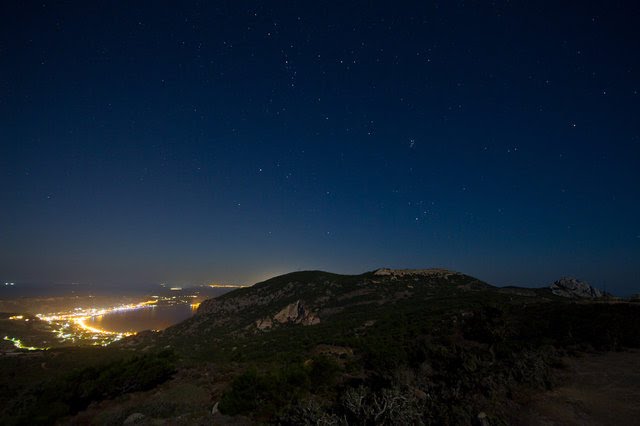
{"x": 148, "y": 318}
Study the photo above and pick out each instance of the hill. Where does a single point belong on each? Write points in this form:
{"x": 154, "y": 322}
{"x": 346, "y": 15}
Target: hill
{"x": 281, "y": 308}
{"x": 315, "y": 297}
{"x": 478, "y": 341}
{"x": 428, "y": 346}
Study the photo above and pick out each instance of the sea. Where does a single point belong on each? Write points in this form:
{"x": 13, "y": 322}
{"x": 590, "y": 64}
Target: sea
{"x": 147, "y": 318}
{"x": 51, "y": 298}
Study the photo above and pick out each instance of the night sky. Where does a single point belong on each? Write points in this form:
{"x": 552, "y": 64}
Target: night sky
{"x": 233, "y": 141}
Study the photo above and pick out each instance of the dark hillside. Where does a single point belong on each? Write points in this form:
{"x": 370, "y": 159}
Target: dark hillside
{"x": 438, "y": 344}
{"x": 385, "y": 347}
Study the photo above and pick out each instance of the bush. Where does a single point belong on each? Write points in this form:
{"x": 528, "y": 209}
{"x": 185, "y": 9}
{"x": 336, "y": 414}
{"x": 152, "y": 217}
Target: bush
{"x": 74, "y": 392}
{"x": 387, "y": 406}
{"x": 272, "y": 391}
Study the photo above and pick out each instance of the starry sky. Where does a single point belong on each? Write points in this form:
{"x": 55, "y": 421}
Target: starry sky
{"x": 146, "y": 142}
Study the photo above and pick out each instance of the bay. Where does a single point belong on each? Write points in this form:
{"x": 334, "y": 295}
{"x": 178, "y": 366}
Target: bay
{"x": 147, "y": 318}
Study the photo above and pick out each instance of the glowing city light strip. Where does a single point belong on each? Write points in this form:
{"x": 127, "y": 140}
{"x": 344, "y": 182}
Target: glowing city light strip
{"x": 18, "y": 344}
{"x": 88, "y": 313}
{"x": 64, "y": 321}
{"x": 81, "y": 323}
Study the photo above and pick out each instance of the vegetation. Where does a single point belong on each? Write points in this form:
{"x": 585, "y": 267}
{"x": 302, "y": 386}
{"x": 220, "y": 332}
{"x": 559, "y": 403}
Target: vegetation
{"x": 470, "y": 365}
{"x": 66, "y": 395}
{"x": 432, "y": 349}
{"x": 267, "y": 393}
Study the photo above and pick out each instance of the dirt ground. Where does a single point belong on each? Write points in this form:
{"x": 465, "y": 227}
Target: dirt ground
{"x": 599, "y": 389}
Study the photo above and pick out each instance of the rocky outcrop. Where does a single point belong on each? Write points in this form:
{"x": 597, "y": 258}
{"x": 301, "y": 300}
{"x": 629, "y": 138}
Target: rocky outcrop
{"x": 290, "y": 313}
{"x": 296, "y": 313}
{"x": 264, "y": 324}
{"x": 574, "y": 288}
{"x": 407, "y": 272}
{"x": 293, "y": 313}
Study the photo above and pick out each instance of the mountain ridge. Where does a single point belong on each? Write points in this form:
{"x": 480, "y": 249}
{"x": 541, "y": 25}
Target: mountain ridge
{"x": 316, "y": 297}
{"x": 313, "y": 347}
{"x": 320, "y": 289}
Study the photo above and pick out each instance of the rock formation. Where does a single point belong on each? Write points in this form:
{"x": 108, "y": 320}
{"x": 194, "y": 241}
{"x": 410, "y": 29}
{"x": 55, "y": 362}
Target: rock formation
{"x": 409, "y": 272}
{"x": 294, "y": 313}
{"x": 574, "y": 288}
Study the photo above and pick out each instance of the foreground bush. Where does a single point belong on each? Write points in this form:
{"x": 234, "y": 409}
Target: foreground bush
{"x": 75, "y": 391}
{"x": 463, "y": 365}
{"x": 271, "y": 392}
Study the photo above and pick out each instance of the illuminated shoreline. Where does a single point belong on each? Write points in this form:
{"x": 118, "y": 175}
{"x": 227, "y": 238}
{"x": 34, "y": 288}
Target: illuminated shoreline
{"x": 73, "y": 327}
{"x": 82, "y": 326}
{"x": 18, "y": 344}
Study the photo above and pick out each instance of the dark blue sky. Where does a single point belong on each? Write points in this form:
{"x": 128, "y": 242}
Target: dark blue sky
{"x": 232, "y": 141}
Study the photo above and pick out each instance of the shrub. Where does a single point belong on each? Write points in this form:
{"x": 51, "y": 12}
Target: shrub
{"x": 74, "y": 392}
{"x": 272, "y": 391}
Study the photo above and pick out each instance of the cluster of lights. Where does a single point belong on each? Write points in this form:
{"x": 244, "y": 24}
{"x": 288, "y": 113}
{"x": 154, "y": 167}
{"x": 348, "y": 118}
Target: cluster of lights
{"x": 18, "y": 344}
{"x": 73, "y": 326}
{"x": 8, "y": 284}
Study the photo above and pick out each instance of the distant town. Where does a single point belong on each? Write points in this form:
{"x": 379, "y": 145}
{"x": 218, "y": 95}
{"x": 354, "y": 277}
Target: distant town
{"x": 41, "y": 323}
